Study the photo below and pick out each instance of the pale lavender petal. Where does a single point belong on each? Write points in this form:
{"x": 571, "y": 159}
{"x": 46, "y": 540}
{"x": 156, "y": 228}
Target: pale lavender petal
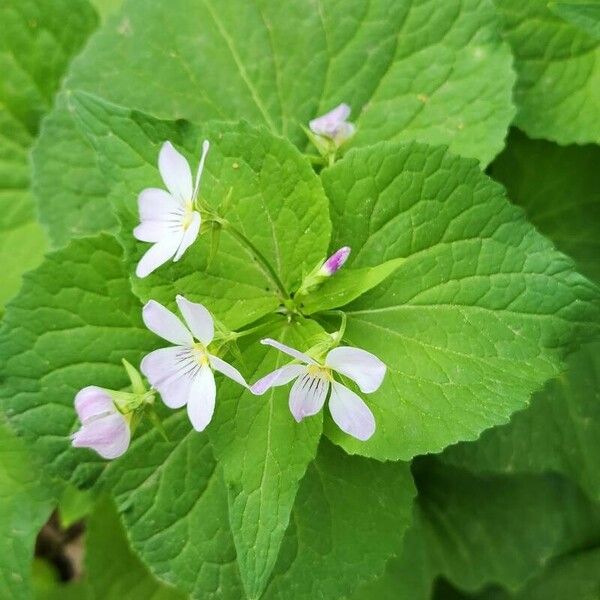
{"x": 201, "y": 405}
{"x": 155, "y": 204}
{"x": 335, "y": 261}
{"x": 164, "y": 323}
{"x": 307, "y": 396}
{"x": 344, "y": 132}
{"x": 288, "y": 350}
{"x": 157, "y": 255}
{"x": 171, "y": 371}
{"x": 92, "y": 401}
{"x": 350, "y": 413}
{"x": 278, "y": 377}
{"x": 198, "y": 319}
{"x": 364, "y": 368}
{"x": 189, "y": 236}
{"x": 175, "y": 171}
{"x": 108, "y": 435}
{"x": 218, "y": 364}
{"x": 329, "y": 123}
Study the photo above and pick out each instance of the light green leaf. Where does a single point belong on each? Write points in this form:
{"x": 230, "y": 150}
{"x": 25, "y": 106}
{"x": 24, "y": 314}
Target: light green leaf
{"x": 478, "y": 316}
{"x": 273, "y": 198}
{"x": 26, "y": 501}
{"x": 173, "y": 502}
{"x": 350, "y": 516}
{"x": 558, "y": 73}
{"x": 36, "y": 45}
{"x": 443, "y": 73}
{"x": 113, "y": 571}
{"x": 345, "y": 286}
{"x": 586, "y": 16}
{"x": 72, "y": 323}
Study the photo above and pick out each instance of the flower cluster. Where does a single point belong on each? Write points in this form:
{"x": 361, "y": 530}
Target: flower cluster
{"x": 184, "y": 372}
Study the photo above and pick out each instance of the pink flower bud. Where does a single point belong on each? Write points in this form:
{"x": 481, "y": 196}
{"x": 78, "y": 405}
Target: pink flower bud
{"x": 335, "y": 262}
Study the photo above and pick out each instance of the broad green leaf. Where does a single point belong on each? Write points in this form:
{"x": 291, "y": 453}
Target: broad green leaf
{"x": 264, "y": 454}
{"x": 74, "y": 505}
{"x": 37, "y": 42}
{"x": 345, "y": 286}
{"x": 26, "y": 501}
{"x": 558, "y": 73}
{"x": 481, "y": 311}
{"x": 173, "y": 502}
{"x": 350, "y": 516}
{"x": 559, "y": 188}
{"x": 72, "y": 323}
{"x": 113, "y": 571}
{"x": 261, "y": 185}
{"x": 586, "y": 16}
{"x": 444, "y": 74}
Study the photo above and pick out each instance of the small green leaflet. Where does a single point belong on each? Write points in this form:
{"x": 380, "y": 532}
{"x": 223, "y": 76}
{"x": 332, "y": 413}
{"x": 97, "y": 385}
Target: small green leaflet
{"x": 558, "y": 73}
{"x": 272, "y": 195}
{"x": 477, "y": 317}
{"x": 345, "y": 286}
{"x": 586, "y": 16}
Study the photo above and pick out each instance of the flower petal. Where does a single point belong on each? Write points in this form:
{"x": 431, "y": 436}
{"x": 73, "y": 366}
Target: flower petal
{"x": 289, "y": 351}
{"x": 153, "y": 231}
{"x": 176, "y": 173}
{"x": 218, "y": 364}
{"x": 198, "y": 319}
{"x": 157, "y": 255}
{"x": 329, "y": 123}
{"x": 164, "y": 323}
{"x": 364, "y": 368}
{"x": 344, "y": 133}
{"x": 201, "y": 405}
{"x": 109, "y": 436}
{"x": 278, "y": 377}
{"x": 307, "y": 396}
{"x": 92, "y": 401}
{"x": 171, "y": 371}
{"x": 189, "y": 236}
{"x": 350, "y": 413}
{"x": 155, "y": 204}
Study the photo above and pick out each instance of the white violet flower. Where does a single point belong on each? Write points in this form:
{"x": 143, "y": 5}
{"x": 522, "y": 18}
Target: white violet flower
{"x": 313, "y": 380}
{"x": 334, "y": 125}
{"x": 169, "y": 219}
{"x": 103, "y": 428}
{"x": 183, "y": 373}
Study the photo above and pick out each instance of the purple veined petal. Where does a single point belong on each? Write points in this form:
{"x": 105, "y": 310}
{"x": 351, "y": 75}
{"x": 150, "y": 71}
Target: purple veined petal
{"x": 198, "y": 319}
{"x": 329, "y": 123}
{"x": 155, "y": 204}
{"x": 307, "y": 396}
{"x": 305, "y": 358}
{"x": 218, "y": 364}
{"x": 175, "y": 172}
{"x": 108, "y": 435}
{"x": 164, "y": 323}
{"x": 278, "y": 377}
{"x": 350, "y": 413}
{"x": 364, "y": 368}
{"x": 171, "y": 371}
{"x": 336, "y": 261}
{"x": 201, "y": 405}
{"x": 189, "y": 236}
{"x": 92, "y": 401}
{"x": 157, "y": 255}
{"x": 152, "y": 231}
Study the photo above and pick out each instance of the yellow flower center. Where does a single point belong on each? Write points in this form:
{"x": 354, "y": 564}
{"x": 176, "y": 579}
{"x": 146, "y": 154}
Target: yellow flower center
{"x": 320, "y": 372}
{"x": 200, "y": 354}
{"x": 188, "y": 215}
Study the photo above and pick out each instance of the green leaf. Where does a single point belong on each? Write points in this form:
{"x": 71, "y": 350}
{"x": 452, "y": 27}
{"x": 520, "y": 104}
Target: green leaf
{"x": 586, "y": 16}
{"x": 478, "y": 316}
{"x": 345, "y": 286}
{"x": 264, "y": 454}
{"x": 273, "y": 198}
{"x": 113, "y": 571}
{"x": 558, "y": 73}
{"x": 350, "y": 516}
{"x": 559, "y": 188}
{"x": 74, "y": 505}
{"x": 37, "y": 43}
{"x": 72, "y": 323}
{"x": 445, "y": 76}
{"x": 173, "y": 502}
{"x": 26, "y": 501}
